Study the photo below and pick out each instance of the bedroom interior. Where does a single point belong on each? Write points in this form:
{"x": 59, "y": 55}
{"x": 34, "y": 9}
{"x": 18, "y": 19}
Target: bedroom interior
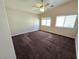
{"x": 38, "y": 29}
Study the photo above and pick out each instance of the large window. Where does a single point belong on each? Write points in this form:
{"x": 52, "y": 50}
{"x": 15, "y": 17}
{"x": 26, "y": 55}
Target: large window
{"x": 66, "y": 21}
{"x": 46, "y": 21}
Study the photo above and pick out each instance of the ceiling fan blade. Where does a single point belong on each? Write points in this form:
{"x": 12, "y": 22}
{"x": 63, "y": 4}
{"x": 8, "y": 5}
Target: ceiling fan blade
{"x": 36, "y": 9}
{"x": 42, "y": 1}
{"x": 38, "y": 5}
{"x": 35, "y": 6}
{"x": 52, "y": 6}
{"x": 46, "y": 4}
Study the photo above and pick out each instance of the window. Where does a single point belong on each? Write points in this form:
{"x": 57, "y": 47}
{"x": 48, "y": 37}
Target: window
{"x": 46, "y": 21}
{"x": 66, "y": 21}
{"x": 60, "y": 21}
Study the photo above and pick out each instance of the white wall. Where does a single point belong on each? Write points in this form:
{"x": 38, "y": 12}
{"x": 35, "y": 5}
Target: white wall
{"x": 6, "y": 45}
{"x": 69, "y": 8}
{"x": 22, "y": 22}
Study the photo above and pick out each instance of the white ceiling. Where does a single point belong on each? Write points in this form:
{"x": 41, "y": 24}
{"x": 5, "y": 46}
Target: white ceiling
{"x": 26, "y": 5}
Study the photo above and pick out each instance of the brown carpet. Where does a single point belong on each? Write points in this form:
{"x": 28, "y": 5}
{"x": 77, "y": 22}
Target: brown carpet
{"x": 43, "y": 45}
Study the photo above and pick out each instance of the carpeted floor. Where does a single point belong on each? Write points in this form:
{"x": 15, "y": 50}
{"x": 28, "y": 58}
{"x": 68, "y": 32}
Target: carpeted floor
{"x": 43, "y": 45}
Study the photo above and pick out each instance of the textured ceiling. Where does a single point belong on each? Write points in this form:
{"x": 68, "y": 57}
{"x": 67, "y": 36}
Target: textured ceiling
{"x": 26, "y": 5}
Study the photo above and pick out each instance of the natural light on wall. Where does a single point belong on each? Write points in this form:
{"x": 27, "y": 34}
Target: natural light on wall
{"x": 46, "y": 21}
{"x": 67, "y": 21}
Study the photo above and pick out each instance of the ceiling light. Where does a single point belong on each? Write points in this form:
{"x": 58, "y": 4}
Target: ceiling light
{"x": 42, "y": 9}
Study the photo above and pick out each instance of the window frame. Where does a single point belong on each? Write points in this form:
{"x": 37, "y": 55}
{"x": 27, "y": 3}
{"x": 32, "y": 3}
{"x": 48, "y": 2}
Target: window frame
{"x": 65, "y": 22}
{"x": 45, "y": 18}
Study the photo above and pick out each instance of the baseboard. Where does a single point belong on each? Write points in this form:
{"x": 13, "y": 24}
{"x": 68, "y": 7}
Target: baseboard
{"x": 44, "y": 31}
{"x": 24, "y": 33}
{"x": 56, "y": 34}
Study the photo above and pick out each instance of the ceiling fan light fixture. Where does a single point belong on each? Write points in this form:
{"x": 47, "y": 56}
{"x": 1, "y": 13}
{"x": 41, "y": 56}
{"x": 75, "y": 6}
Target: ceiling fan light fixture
{"x": 42, "y": 9}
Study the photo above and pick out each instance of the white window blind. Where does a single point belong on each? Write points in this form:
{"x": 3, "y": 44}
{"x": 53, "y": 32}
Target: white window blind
{"x": 46, "y": 21}
{"x": 66, "y": 21}
{"x": 60, "y": 21}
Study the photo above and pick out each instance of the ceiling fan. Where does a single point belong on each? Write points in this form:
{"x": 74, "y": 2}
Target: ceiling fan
{"x": 41, "y": 5}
